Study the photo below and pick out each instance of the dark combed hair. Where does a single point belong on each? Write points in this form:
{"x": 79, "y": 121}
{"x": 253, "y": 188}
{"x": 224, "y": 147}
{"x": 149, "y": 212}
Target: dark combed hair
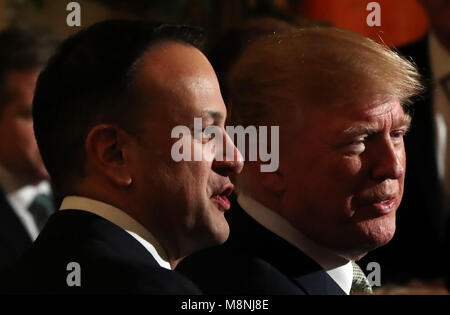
{"x": 23, "y": 49}
{"x": 90, "y": 81}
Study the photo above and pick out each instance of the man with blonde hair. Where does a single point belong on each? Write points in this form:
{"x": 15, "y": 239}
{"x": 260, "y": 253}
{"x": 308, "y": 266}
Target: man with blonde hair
{"x": 341, "y": 101}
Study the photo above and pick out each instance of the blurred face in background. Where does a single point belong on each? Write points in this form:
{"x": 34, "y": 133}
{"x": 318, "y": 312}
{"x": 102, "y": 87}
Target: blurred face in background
{"x": 19, "y": 152}
{"x": 344, "y": 175}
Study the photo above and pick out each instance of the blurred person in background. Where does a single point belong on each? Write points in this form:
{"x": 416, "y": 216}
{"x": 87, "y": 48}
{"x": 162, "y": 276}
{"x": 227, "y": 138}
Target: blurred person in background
{"x": 25, "y": 194}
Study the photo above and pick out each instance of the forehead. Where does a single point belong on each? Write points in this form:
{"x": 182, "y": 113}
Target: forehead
{"x": 341, "y": 119}
{"x": 177, "y": 79}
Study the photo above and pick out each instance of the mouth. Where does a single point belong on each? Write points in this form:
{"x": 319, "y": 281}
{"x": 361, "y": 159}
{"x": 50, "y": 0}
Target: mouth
{"x": 381, "y": 205}
{"x": 220, "y": 197}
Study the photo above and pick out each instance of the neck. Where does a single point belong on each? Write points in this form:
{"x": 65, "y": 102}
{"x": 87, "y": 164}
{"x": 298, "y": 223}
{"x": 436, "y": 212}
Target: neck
{"x": 11, "y": 182}
{"x": 174, "y": 262}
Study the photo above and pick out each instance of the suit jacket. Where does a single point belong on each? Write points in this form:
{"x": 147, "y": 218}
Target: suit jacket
{"x": 110, "y": 261}
{"x": 256, "y": 261}
{"x": 14, "y": 239}
{"x": 416, "y": 251}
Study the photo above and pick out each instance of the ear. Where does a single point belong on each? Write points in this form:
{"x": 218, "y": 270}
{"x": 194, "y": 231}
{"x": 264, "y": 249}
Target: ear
{"x": 106, "y": 150}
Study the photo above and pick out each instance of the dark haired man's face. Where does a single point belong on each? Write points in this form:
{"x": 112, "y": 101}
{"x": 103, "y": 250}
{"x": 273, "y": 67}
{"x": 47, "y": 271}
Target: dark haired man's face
{"x": 180, "y": 199}
{"x": 19, "y": 152}
{"x": 346, "y": 174}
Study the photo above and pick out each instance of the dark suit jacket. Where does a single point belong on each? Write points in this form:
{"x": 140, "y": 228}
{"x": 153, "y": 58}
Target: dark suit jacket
{"x": 416, "y": 251}
{"x": 14, "y": 239}
{"x": 256, "y": 261}
{"x": 110, "y": 260}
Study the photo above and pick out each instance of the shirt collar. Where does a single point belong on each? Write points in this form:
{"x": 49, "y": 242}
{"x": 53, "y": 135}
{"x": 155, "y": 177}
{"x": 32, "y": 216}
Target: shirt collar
{"x": 18, "y": 195}
{"x": 23, "y": 197}
{"x": 121, "y": 219}
{"x": 327, "y": 259}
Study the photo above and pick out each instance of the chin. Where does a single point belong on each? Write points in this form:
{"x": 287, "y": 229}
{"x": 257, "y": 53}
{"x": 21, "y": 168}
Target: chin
{"x": 379, "y": 235}
{"x": 220, "y": 233}
{"x": 370, "y": 235}
{"x": 214, "y": 231}
{"x": 38, "y": 174}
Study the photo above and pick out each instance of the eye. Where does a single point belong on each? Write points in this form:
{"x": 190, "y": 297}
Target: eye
{"x": 397, "y": 135}
{"x": 358, "y": 142}
{"x": 202, "y": 136}
{"x": 357, "y": 146}
{"x": 208, "y": 133}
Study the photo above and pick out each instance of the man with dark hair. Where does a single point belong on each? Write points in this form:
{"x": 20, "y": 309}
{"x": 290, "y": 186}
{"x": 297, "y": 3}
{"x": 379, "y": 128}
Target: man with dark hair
{"x": 25, "y": 201}
{"x": 104, "y": 109}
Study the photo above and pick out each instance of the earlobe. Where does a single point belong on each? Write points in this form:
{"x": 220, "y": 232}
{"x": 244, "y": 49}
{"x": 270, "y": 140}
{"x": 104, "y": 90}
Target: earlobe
{"x": 106, "y": 150}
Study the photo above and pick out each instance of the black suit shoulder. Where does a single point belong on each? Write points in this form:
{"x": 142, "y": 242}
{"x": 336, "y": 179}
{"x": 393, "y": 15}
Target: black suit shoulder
{"x": 14, "y": 239}
{"x": 255, "y": 261}
{"x": 221, "y": 270}
{"x": 109, "y": 259}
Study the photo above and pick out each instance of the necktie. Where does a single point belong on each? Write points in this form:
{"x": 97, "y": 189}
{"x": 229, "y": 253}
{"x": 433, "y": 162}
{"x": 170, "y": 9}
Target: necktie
{"x": 360, "y": 284}
{"x": 41, "y": 208}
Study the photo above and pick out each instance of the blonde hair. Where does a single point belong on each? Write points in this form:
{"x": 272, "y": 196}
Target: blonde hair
{"x": 315, "y": 67}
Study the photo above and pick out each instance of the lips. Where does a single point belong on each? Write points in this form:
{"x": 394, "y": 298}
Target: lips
{"x": 221, "y": 196}
{"x": 381, "y": 205}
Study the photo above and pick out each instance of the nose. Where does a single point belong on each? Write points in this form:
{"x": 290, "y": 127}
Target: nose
{"x": 227, "y": 160}
{"x": 389, "y": 161}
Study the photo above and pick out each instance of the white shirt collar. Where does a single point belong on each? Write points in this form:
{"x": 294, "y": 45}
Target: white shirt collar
{"x": 23, "y": 197}
{"x": 20, "y": 198}
{"x": 121, "y": 219}
{"x": 341, "y": 274}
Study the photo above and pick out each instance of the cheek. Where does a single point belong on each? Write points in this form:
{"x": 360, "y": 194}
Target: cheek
{"x": 192, "y": 179}
{"x": 342, "y": 175}
{"x": 343, "y": 179}
{"x": 332, "y": 176}
{"x": 23, "y": 130}
{"x": 403, "y": 161}
{"x": 21, "y": 137}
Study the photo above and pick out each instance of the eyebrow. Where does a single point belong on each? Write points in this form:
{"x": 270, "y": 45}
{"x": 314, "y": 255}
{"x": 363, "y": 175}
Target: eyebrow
{"x": 215, "y": 115}
{"x": 403, "y": 121}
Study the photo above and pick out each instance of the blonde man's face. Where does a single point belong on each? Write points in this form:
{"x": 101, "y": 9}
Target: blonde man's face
{"x": 344, "y": 176}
